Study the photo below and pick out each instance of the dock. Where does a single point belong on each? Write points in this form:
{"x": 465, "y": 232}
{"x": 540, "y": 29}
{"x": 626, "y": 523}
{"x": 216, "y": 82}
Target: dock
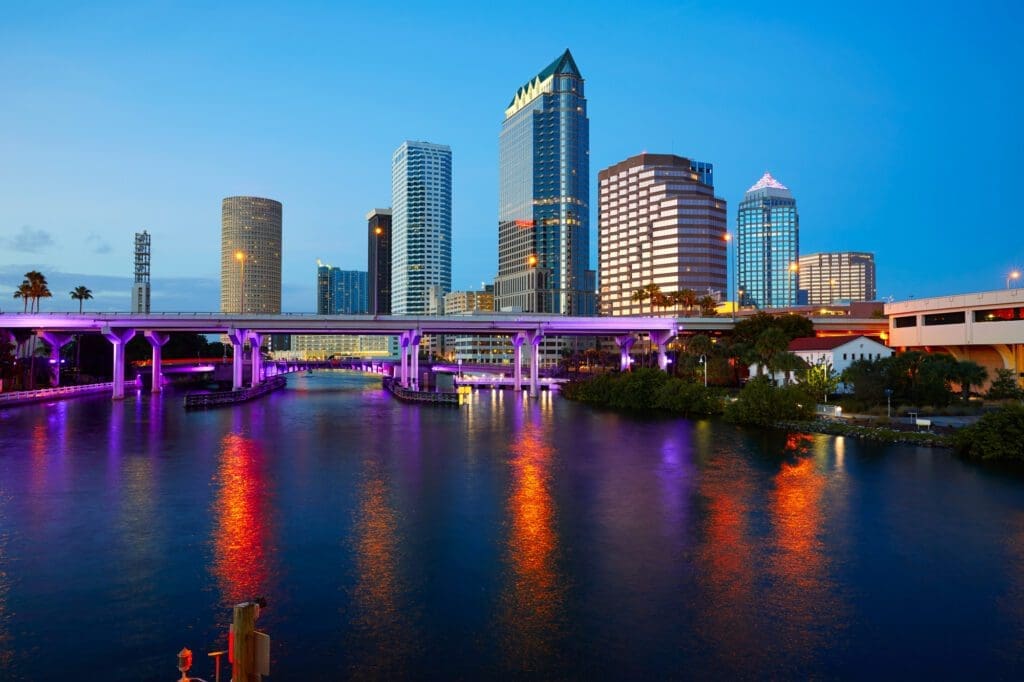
{"x": 423, "y": 397}
{"x": 209, "y": 399}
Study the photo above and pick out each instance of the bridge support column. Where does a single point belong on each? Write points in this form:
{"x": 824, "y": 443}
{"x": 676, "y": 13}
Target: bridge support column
{"x": 256, "y": 344}
{"x": 517, "y": 362}
{"x": 403, "y": 357}
{"x": 56, "y": 341}
{"x": 625, "y": 343}
{"x": 120, "y": 338}
{"x": 414, "y": 349}
{"x": 237, "y": 337}
{"x": 157, "y": 341}
{"x": 535, "y": 339}
{"x": 661, "y": 339}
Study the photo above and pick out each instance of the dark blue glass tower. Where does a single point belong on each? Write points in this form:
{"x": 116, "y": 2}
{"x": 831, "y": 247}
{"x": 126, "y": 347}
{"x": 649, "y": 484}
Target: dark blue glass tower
{"x": 768, "y": 246}
{"x": 544, "y": 196}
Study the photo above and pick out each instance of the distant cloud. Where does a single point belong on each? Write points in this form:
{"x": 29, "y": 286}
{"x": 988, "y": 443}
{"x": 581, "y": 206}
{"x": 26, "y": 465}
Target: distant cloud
{"x": 29, "y": 240}
{"x": 98, "y": 244}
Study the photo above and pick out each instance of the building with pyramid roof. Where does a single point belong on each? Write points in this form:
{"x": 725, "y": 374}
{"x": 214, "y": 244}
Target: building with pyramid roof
{"x": 544, "y": 196}
{"x": 768, "y": 246}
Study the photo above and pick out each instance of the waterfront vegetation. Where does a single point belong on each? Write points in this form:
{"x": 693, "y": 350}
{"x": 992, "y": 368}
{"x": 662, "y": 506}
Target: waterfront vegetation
{"x": 762, "y": 404}
{"x": 997, "y": 436}
{"x": 646, "y": 390}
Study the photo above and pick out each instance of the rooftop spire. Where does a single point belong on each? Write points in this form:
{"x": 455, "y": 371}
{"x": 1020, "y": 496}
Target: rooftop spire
{"x": 767, "y": 182}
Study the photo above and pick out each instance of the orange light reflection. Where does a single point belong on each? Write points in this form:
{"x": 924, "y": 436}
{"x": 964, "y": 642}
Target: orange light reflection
{"x": 241, "y": 537}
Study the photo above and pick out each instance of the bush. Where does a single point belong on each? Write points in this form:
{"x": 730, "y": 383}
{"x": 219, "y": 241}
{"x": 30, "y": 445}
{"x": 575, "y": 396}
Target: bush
{"x": 644, "y": 390}
{"x": 762, "y": 404}
{"x": 997, "y": 436}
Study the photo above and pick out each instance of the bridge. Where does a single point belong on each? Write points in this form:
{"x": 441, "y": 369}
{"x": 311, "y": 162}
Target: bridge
{"x": 57, "y": 329}
{"x": 986, "y": 327}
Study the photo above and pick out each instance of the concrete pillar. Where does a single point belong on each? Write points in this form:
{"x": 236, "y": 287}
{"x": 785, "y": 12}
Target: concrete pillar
{"x": 414, "y": 348}
{"x": 625, "y": 344}
{"x": 120, "y": 338}
{"x": 237, "y": 338}
{"x": 661, "y": 339}
{"x": 403, "y": 349}
{"x": 535, "y": 339}
{"x": 517, "y": 361}
{"x": 157, "y": 341}
{"x": 256, "y": 343}
{"x": 56, "y": 341}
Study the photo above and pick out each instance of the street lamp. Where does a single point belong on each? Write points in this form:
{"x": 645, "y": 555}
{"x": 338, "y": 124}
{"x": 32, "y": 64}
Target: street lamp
{"x": 793, "y": 268}
{"x": 735, "y": 272}
{"x": 240, "y": 257}
{"x": 1015, "y": 274}
{"x": 704, "y": 361}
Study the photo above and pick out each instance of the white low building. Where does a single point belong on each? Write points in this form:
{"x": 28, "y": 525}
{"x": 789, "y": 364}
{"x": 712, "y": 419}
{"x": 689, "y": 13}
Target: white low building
{"x": 838, "y": 352}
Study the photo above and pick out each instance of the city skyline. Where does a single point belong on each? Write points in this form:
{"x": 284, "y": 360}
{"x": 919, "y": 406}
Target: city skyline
{"x": 830, "y": 124}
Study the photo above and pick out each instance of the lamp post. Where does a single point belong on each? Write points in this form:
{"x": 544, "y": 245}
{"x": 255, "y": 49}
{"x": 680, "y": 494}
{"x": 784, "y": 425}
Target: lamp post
{"x": 704, "y": 361}
{"x": 735, "y": 274}
{"x": 1015, "y": 274}
{"x": 888, "y": 402}
{"x": 240, "y": 257}
{"x": 790, "y": 299}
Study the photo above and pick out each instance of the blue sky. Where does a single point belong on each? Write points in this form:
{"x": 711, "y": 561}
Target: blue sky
{"x": 896, "y": 125}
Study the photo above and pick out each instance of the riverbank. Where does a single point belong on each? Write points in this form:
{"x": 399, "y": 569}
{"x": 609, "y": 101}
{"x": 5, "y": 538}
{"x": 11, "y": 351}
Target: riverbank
{"x": 875, "y": 434}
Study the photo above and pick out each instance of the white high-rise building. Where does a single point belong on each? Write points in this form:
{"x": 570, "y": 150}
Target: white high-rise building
{"x": 421, "y": 226}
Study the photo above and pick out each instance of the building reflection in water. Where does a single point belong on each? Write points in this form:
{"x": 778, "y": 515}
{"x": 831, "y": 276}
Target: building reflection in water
{"x": 385, "y": 635}
{"x": 727, "y": 557}
{"x": 6, "y": 650}
{"x": 533, "y": 597}
{"x": 241, "y": 540}
{"x": 803, "y": 598}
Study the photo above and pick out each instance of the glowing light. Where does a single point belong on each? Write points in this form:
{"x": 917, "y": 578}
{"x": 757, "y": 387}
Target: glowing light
{"x": 532, "y": 260}
{"x": 239, "y": 256}
{"x": 378, "y": 230}
{"x": 767, "y": 182}
{"x": 793, "y": 267}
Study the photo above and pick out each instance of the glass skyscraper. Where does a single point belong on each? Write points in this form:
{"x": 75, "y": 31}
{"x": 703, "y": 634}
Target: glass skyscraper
{"x": 543, "y": 202}
{"x": 378, "y": 260}
{"x": 421, "y": 224}
{"x": 768, "y": 246}
{"x": 340, "y": 292}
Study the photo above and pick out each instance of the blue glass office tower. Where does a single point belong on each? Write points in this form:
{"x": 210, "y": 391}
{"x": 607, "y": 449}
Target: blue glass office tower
{"x": 421, "y": 225}
{"x": 768, "y": 246}
{"x": 340, "y": 292}
{"x": 543, "y": 202}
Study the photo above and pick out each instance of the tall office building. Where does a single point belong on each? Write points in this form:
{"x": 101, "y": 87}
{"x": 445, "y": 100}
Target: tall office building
{"x": 378, "y": 261}
{"x": 340, "y": 292}
{"x": 543, "y": 196}
{"x": 659, "y": 222}
{"x": 140, "y": 287}
{"x": 847, "y": 276}
{"x": 250, "y": 255}
{"x": 768, "y": 246}
{"x": 421, "y": 220}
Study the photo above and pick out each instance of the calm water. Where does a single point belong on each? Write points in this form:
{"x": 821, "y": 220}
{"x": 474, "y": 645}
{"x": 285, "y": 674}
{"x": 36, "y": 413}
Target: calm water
{"x": 508, "y": 538}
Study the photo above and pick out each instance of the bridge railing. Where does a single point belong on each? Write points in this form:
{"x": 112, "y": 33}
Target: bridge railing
{"x": 14, "y": 397}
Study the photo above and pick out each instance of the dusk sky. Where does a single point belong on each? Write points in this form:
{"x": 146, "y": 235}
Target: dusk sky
{"x": 896, "y": 125}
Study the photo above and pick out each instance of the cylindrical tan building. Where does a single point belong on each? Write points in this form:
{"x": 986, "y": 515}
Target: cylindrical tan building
{"x": 250, "y": 255}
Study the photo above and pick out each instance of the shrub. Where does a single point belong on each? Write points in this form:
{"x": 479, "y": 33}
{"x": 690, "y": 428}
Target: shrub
{"x": 762, "y": 404}
{"x": 997, "y": 436}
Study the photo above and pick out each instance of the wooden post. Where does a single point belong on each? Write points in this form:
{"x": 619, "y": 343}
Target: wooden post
{"x": 243, "y": 667}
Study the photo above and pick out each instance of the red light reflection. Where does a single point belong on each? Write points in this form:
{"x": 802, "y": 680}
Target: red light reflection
{"x": 242, "y": 534}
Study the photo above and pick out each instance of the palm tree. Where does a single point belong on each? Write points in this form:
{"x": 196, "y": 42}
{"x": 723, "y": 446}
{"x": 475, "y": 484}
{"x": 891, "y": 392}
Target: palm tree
{"x": 651, "y": 292}
{"x": 968, "y": 373}
{"x": 38, "y": 288}
{"x": 688, "y": 298}
{"x": 707, "y": 306}
{"x": 640, "y": 295}
{"x": 771, "y": 343}
{"x": 81, "y": 294}
{"x": 787, "y": 363}
{"x": 24, "y": 292}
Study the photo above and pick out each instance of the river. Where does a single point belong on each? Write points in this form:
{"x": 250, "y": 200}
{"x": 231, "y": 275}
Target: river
{"x": 508, "y": 538}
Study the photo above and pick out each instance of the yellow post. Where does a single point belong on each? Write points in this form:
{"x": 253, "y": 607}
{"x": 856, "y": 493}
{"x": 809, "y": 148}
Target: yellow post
{"x": 243, "y": 667}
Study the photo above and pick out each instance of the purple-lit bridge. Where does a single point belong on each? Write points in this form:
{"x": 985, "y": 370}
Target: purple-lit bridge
{"x": 57, "y": 330}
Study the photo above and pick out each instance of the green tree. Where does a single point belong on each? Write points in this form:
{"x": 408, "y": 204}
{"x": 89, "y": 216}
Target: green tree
{"x": 687, "y": 298}
{"x": 761, "y": 404}
{"x": 1004, "y": 386}
{"x": 38, "y": 288}
{"x": 820, "y": 380}
{"x": 997, "y": 436}
{"x": 794, "y": 326}
{"x": 24, "y": 292}
{"x": 769, "y": 344}
{"x": 787, "y": 363}
{"x": 707, "y": 306}
{"x": 968, "y": 373}
{"x": 81, "y": 294}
